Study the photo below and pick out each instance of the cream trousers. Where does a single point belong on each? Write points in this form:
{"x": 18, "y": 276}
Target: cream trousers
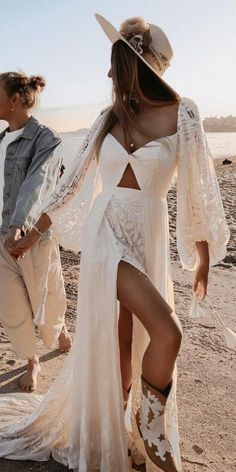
{"x": 32, "y": 292}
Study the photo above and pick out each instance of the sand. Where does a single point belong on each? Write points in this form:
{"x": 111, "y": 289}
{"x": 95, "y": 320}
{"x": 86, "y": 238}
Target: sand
{"x": 206, "y": 366}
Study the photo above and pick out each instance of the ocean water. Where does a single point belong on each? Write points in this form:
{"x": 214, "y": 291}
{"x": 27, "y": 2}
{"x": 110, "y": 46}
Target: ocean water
{"x": 221, "y": 145}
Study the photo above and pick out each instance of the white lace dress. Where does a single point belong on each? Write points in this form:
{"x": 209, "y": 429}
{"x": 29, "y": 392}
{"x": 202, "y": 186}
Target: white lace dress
{"x": 80, "y": 421}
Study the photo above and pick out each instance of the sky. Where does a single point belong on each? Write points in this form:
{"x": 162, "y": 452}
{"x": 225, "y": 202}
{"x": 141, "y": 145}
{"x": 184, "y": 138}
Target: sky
{"x": 62, "y": 40}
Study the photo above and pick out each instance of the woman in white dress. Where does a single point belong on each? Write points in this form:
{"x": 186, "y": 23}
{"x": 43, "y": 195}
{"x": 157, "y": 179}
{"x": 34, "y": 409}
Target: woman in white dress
{"x": 129, "y": 158}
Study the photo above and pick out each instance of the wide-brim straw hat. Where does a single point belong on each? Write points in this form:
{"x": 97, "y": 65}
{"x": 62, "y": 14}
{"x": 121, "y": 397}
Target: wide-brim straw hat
{"x": 131, "y": 33}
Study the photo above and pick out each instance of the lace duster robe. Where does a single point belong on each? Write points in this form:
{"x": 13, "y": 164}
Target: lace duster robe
{"x": 80, "y": 421}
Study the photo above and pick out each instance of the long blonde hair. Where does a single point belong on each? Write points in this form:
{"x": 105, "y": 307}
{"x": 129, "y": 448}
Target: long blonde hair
{"x": 134, "y": 85}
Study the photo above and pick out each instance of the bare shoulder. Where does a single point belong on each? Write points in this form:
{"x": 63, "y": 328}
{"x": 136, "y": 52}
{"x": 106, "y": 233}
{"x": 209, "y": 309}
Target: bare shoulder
{"x": 171, "y": 111}
{"x": 166, "y": 120}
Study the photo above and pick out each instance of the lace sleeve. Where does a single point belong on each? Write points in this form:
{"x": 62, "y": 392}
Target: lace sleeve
{"x": 69, "y": 205}
{"x": 200, "y": 213}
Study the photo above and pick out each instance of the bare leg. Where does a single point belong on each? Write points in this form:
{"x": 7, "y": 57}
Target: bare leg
{"x": 137, "y": 293}
{"x": 125, "y": 342}
{"x": 65, "y": 341}
{"x": 28, "y": 381}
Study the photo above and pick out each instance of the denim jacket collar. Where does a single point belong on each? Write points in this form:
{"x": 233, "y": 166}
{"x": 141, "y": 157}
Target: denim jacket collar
{"x": 29, "y": 129}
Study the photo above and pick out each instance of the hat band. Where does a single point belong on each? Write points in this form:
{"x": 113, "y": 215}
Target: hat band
{"x": 161, "y": 61}
{"x": 137, "y": 44}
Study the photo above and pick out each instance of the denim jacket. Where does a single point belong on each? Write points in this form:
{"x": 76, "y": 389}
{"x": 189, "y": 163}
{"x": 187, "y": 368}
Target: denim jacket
{"x": 31, "y": 171}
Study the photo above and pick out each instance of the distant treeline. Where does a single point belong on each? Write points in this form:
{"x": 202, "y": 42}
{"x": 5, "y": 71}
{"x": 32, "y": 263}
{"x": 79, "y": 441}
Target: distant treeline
{"x": 219, "y": 125}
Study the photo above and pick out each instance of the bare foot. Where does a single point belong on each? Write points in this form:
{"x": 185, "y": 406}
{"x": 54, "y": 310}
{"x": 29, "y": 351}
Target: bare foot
{"x": 28, "y": 381}
{"x": 65, "y": 341}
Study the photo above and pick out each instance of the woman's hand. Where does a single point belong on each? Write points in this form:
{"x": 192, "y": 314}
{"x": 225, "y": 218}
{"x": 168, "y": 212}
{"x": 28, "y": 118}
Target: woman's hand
{"x": 201, "y": 280}
{"x": 13, "y": 235}
{"x": 25, "y": 244}
{"x": 17, "y": 246}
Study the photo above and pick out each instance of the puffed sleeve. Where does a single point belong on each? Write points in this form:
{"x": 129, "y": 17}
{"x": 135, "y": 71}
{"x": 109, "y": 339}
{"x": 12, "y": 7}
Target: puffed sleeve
{"x": 69, "y": 205}
{"x": 200, "y": 212}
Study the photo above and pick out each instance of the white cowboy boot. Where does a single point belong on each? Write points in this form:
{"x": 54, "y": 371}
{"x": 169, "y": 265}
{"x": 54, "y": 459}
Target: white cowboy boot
{"x": 151, "y": 424}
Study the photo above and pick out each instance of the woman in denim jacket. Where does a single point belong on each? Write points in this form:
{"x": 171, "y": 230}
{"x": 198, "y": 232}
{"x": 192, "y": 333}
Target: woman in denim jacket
{"x": 31, "y": 288}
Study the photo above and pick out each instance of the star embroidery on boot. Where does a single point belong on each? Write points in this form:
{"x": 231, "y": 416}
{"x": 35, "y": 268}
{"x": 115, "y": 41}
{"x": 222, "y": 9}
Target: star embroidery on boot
{"x": 163, "y": 447}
